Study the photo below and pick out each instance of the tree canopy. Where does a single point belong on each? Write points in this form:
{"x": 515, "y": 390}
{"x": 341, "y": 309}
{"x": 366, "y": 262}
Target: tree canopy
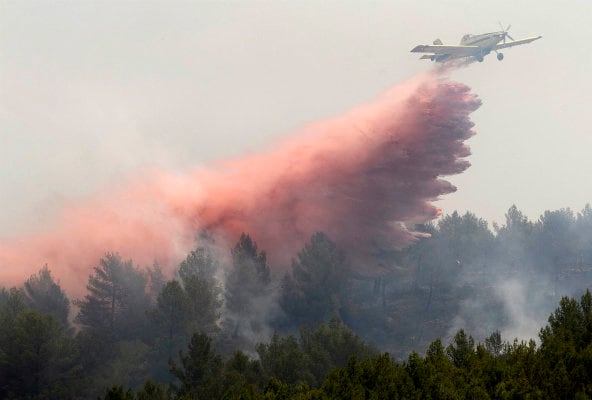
{"x": 436, "y": 320}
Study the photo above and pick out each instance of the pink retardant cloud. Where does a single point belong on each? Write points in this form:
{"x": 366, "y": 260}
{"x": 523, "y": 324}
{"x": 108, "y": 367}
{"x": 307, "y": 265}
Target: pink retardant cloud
{"x": 364, "y": 178}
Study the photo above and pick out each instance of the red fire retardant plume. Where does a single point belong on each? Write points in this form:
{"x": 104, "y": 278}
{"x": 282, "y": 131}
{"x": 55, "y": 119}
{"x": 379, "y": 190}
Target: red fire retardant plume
{"x": 364, "y": 178}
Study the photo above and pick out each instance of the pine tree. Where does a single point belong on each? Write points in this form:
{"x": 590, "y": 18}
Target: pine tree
{"x": 45, "y": 295}
{"x": 315, "y": 290}
{"x": 247, "y": 295}
{"x": 116, "y": 303}
{"x": 200, "y": 371}
{"x": 198, "y": 277}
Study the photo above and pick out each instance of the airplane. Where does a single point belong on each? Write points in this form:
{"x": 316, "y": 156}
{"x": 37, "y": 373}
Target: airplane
{"x": 475, "y": 46}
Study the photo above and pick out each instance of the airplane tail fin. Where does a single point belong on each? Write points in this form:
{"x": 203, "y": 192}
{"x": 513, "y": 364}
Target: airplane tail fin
{"x": 437, "y": 42}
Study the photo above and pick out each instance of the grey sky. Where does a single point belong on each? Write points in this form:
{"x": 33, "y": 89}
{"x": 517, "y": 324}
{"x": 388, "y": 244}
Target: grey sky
{"x": 92, "y": 91}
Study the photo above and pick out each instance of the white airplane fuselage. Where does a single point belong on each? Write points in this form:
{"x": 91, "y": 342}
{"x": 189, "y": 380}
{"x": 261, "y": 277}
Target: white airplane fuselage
{"x": 485, "y": 40}
{"x": 471, "y": 46}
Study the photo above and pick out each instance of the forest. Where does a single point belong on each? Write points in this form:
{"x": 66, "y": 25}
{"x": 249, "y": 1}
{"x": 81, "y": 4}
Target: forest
{"x": 466, "y": 311}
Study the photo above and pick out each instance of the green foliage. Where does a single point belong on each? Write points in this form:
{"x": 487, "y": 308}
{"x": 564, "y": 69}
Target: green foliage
{"x": 556, "y": 239}
{"x": 566, "y": 347}
{"x": 494, "y": 344}
{"x": 37, "y": 357}
{"x": 152, "y": 391}
{"x": 114, "y": 325}
{"x": 248, "y": 303}
{"x": 314, "y": 291}
{"x": 248, "y": 279}
{"x": 38, "y": 361}
{"x": 184, "y": 307}
{"x": 117, "y": 300}
{"x": 435, "y": 376}
{"x": 133, "y": 321}
{"x": 242, "y": 377}
{"x": 522, "y": 374}
{"x": 330, "y": 346}
{"x": 200, "y": 371}
{"x": 249, "y": 276}
{"x": 172, "y": 317}
{"x": 44, "y": 294}
{"x": 118, "y": 393}
{"x": 465, "y": 238}
{"x": 377, "y": 378}
{"x": 317, "y": 352}
{"x": 283, "y": 359}
{"x": 198, "y": 277}
{"x": 515, "y": 240}
{"x": 461, "y": 350}
{"x": 457, "y": 242}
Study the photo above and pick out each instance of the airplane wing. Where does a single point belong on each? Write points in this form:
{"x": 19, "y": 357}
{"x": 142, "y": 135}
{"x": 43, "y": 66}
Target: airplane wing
{"x": 458, "y": 51}
{"x": 516, "y": 42}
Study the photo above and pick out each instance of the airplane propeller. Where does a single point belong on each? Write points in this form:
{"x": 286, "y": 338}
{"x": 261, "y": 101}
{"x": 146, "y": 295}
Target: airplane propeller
{"x": 505, "y": 31}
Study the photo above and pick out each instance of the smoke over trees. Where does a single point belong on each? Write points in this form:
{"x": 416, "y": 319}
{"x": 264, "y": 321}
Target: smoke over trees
{"x": 225, "y": 304}
{"x": 463, "y": 369}
{"x": 45, "y": 295}
{"x": 248, "y": 295}
{"x": 348, "y": 205}
{"x": 198, "y": 276}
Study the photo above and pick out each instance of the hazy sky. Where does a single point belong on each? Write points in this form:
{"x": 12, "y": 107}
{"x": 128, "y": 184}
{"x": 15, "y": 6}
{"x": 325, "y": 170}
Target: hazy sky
{"x": 93, "y": 91}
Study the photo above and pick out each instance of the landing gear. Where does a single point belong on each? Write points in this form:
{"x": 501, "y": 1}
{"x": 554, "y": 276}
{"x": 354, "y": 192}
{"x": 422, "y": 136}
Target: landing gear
{"x": 500, "y": 56}
{"x": 480, "y": 58}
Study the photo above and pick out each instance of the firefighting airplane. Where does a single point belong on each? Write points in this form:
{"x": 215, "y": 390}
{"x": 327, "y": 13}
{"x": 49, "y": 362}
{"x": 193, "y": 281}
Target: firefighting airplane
{"x": 472, "y": 46}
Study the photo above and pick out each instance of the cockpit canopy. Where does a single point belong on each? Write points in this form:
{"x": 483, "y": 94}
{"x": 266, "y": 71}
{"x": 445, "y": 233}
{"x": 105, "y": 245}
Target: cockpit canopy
{"x": 466, "y": 37}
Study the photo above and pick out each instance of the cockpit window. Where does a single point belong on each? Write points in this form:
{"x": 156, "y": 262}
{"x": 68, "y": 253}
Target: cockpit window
{"x": 465, "y": 37}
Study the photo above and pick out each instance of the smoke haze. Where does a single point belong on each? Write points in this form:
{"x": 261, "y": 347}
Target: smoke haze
{"x": 362, "y": 178}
